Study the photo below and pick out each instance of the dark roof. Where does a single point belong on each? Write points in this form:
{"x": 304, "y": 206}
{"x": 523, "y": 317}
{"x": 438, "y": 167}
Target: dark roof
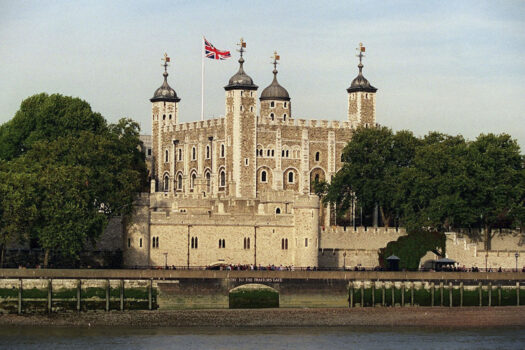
{"x": 165, "y": 92}
{"x": 241, "y": 80}
{"x": 275, "y": 91}
{"x": 360, "y": 83}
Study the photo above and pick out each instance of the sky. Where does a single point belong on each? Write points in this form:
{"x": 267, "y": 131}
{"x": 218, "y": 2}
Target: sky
{"x": 457, "y": 67}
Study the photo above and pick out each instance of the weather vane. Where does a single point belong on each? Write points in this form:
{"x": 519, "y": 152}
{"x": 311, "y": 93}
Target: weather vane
{"x": 361, "y": 49}
{"x": 275, "y": 58}
{"x": 166, "y": 60}
{"x": 242, "y": 45}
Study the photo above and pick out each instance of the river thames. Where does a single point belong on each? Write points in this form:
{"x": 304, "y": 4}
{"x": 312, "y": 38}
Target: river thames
{"x": 259, "y": 338}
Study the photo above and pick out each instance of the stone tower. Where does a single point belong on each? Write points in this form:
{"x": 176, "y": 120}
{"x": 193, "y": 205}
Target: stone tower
{"x": 275, "y": 101}
{"x": 164, "y": 113}
{"x": 361, "y": 98}
{"x": 241, "y": 133}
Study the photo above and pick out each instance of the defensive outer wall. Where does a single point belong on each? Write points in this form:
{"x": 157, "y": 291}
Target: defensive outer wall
{"x": 190, "y": 289}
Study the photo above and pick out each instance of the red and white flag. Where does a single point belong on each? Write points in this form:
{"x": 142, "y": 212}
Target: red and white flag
{"x": 213, "y": 53}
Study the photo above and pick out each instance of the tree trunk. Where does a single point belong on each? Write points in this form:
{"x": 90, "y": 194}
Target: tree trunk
{"x": 46, "y": 258}
{"x": 384, "y": 218}
{"x": 488, "y": 238}
{"x": 2, "y": 254}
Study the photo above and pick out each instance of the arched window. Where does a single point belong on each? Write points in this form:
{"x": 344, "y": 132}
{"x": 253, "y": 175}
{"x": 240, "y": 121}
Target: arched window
{"x": 317, "y": 156}
{"x": 166, "y": 183}
{"x": 287, "y": 153}
{"x": 248, "y": 243}
{"x": 170, "y": 117}
{"x": 140, "y": 243}
{"x": 180, "y": 154}
{"x": 193, "y": 153}
{"x": 284, "y": 116}
{"x": 179, "y": 182}
{"x": 273, "y": 152}
{"x": 268, "y": 152}
{"x": 272, "y": 104}
{"x": 164, "y": 117}
{"x": 272, "y": 116}
{"x": 290, "y": 177}
{"x": 208, "y": 152}
{"x": 192, "y": 182}
{"x": 285, "y": 104}
{"x": 222, "y": 150}
{"x": 263, "y": 176}
{"x": 222, "y": 182}
{"x": 166, "y": 156}
{"x": 277, "y": 210}
{"x": 208, "y": 181}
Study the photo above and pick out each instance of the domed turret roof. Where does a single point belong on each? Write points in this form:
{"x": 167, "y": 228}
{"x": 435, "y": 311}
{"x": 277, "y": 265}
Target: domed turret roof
{"x": 241, "y": 80}
{"x": 165, "y": 92}
{"x": 360, "y": 83}
{"x": 275, "y": 91}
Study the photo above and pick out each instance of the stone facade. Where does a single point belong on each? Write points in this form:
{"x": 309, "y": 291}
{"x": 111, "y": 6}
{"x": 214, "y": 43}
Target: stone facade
{"x": 238, "y": 189}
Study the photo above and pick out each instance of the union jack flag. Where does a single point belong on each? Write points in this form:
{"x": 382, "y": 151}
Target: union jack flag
{"x": 214, "y": 53}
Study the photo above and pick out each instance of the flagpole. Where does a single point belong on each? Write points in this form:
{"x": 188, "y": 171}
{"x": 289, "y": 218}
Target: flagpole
{"x": 202, "y": 79}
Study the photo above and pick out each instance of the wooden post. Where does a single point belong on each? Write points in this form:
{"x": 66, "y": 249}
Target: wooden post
{"x": 402, "y": 293}
{"x": 351, "y": 294}
{"x": 150, "y": 298}
{"x": 432, "y": 293}
{"x": 373, "y": 294}
{"x": 517, "y": 293}
{"x": 393, "y": 295}
{"x": 362, "y": 293}
{"x": 499, "y": 294}
{"x": 108, "y": 286}
{"x": 20, "y": 297}
{"x": 441, "y": 293}
{"x": 461, "y": 294}
{"x": 490, "y": 293}
{"x": 79, "y": 287}
{"x": 450, "y": 293}
{"x": 49, "y": 294}
{"x": 480, "y": 294}
{"x": 121, "y": 295}
{"x": 412, "y": 294}
{"x": 382, "y": 293}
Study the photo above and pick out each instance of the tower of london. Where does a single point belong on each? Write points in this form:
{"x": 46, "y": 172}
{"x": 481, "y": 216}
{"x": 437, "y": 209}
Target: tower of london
{"x": 239, "y": 189}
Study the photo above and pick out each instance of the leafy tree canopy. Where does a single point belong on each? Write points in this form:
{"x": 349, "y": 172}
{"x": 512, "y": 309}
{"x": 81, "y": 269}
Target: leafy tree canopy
{"x": 65, "y": 173}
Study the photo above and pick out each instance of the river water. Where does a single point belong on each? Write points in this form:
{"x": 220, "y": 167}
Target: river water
{"x": 42, "y": 338}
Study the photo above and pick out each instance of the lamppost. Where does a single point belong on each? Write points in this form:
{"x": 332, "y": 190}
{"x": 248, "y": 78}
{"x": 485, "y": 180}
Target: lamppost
{"x": 344, "y": 261}
{"x": 516, "y": 256}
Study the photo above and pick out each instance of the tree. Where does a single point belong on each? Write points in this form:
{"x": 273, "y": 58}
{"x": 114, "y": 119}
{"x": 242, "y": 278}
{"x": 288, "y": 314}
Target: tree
{"x": 498, "y": 172}
{"x": 84, "y": 171}
{"x": 373, "y": 160}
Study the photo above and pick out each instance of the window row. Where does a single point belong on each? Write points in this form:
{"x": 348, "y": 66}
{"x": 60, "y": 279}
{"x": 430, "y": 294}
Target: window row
{"x": 155, "y": 242}
{"x": 129, "y": 242}
{"x": 193, "y": 177}
{"x": 180, "y": 152}
{"x": 222, "y": 242}
{"x": 272, "y": 104}
{"x": 272, "y": 116}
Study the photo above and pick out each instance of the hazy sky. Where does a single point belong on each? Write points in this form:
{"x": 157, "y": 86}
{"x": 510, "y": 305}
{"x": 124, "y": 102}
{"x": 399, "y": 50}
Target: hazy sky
{"x": 450, "y": 66}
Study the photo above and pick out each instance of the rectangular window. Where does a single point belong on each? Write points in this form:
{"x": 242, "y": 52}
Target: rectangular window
{"x": 306, "y": 242}
{"x": 129, "y": 242}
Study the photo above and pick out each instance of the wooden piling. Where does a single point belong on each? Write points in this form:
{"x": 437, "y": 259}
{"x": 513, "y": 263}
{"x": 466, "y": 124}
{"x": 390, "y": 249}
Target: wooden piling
{"x": 49, "y": 295}
{"x": 480, "y": 288}
{"x": 150, "y": 297}
{"x": 402, "y": 294}
{"x": 393, "y": 294}
{"x": 490, "y": 293}
{"x": 373, "y": 294}
{"x": 432, "y": 293}
{"x": 499, "y": 294}
{"x": 108, "y": 286}
{"x": 20, "y": 297}
{"x": 79, "y": 288}
{"x": 382, "y": 293}
{"x": 412, "y": 294}
{"x": 362, "y": 293}
{"x": 517, "y": 293}
{"x": 450, "y": 294}
{"x": 121, "y": 295}
{"x": 351, "y": 294}
{"x": 441, "y": 293}
{"x": 461, "y": 294}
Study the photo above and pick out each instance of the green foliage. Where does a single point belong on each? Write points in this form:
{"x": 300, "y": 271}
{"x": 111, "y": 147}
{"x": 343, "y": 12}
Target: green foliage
{"x": 64, "y": 173}
{"x": 412, "y": 247}
{"x": 253, "y": 298}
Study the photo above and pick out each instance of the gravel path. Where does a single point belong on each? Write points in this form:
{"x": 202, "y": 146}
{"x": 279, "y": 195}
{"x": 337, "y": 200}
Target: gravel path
{"x": 421, "y": 317}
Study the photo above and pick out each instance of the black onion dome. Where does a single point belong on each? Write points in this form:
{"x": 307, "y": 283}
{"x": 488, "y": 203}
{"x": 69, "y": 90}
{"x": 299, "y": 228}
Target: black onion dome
{"x": 275, "y": 91}
{"x": 240, "y": 80}
{"x": 165, "y": 92}
{"x": 360, "y": 83}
